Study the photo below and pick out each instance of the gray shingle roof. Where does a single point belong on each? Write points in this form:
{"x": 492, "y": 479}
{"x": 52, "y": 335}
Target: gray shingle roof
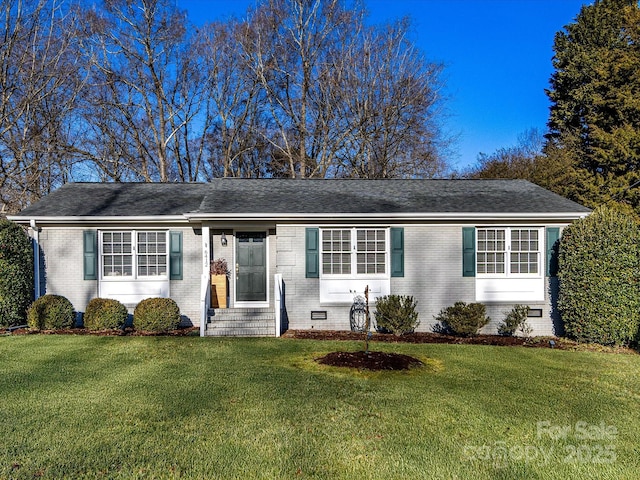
{"x": 286, "y": 196}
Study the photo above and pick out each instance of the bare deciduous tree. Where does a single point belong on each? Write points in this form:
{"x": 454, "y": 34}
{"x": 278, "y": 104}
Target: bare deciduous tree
{"x": 121, "y": 90}
{"x": 392, "y": 99}
{"x": 39, "y": 83}
{"x": 346, "y": 99}
{"x": 289, "y": 51}
{"x": 234, "y": 106}
{"x": 144, "y": 93}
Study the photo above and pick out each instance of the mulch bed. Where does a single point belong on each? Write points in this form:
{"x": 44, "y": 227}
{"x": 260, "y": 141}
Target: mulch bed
{"x": 180, "y": 332}
{"x": 393, "y": 361}
{"x": 426, "y": 337}
{"x": 370, "y": 360}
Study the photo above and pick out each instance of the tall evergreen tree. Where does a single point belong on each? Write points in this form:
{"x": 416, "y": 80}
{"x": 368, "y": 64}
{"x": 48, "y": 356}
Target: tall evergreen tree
{"x": 595, "y": 94}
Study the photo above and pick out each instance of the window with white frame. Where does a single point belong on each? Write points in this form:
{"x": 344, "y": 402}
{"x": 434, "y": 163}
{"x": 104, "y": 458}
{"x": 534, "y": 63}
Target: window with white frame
{"x": 508, "y": 251}
{"x": 354, "y": 251}
{"x": 134, "y": 254}
{"x": 336, "y": 252}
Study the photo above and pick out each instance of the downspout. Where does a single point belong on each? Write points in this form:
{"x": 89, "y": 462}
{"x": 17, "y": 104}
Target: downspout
{"x": 35, "y": 238}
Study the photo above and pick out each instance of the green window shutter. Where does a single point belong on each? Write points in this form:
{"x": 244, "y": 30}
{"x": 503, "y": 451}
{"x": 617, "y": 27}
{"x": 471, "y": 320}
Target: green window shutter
{"x": 468, "y": 252}
{"x": 175, "y": 255}
{"x": 553, "y": 235}
{"x": 90, "y": 250}
{"x": 312, "y": 256}
{"x": 397, "y": 252}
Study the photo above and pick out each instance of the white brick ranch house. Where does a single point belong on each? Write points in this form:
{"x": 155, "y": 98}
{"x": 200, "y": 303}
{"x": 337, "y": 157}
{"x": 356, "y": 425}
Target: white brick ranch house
{"x": 296, "y": 249}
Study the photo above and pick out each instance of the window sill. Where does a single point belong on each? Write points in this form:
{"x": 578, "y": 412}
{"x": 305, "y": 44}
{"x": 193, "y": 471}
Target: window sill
{"x": 509, "y": 289}
{"x": 340, "y": 291}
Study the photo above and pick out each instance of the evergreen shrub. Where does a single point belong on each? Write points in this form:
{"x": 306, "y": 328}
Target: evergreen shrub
{"x": 104, "y": 314}
{"x": 51, "y": 312}
{"x": 462, "y": 319}
{"x": 396, "y": 314}
{"x": 156, "y": 315}
{"x": 598, "y": 271}
{"x": 16, "y": 274}
{"x": 515, "y": 320}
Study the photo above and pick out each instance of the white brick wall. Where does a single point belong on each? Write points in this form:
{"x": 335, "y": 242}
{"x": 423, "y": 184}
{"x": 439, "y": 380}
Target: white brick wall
{"x": 62, "y": 250}
{"x": 186, "y": 292}
{"x": 432, "y": 274}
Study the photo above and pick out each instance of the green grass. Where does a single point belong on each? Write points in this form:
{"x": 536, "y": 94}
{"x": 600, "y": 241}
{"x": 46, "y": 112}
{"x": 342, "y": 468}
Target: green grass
{"x": 157, "y": 407}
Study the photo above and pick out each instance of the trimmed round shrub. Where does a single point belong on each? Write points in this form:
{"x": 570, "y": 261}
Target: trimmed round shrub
{"x": 598, "y": 271}
{"x": 105, "y": 314}
{"x": 16, "y": 274}
{"x": 463, "y": 319}
{"x": 156, "y": 315}
{"x": 396, "y": 314}
{"x": 51, "y": 312}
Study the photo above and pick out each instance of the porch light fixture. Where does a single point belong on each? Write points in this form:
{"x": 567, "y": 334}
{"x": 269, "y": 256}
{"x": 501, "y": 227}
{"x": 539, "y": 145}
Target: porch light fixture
{"x": 223, "y": 239}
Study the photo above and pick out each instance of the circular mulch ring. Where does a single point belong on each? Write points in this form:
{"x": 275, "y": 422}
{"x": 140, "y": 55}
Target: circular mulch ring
{"x": 370, "y": 360}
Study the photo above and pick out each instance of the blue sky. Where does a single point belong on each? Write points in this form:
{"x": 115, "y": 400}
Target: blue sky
{"x": 497, "y": 57}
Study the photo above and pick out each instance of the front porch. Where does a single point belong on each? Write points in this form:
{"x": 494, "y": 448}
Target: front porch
{"x": 249, "y": 302}
{"x": 243, "y": 321}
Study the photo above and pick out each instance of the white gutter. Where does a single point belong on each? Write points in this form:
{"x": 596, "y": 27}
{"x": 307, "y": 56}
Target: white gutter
{"x": 199, "y": 217}
{"x": 35, "y": 238}
{"x": 101, "y": 220}
{"x": 384, "y": 217}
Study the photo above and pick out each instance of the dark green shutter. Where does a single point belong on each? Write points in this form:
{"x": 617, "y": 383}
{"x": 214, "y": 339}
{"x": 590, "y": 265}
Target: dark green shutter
{"x": 397, "y": 252}
{"x": 175, "y": 255}
{"x": 90, "y": 249}
{"x": 468, "y": 252}
{"x": 553, "y": 235}
{"x": 312, "y": 256}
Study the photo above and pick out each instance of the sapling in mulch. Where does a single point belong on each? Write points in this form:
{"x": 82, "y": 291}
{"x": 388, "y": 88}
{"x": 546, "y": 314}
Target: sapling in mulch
{"x": 367, "y": 323}
{"x": 371, "y": 360}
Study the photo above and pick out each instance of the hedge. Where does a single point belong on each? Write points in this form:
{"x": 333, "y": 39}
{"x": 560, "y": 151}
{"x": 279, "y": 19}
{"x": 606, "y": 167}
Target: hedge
{"x": 598, "y": 270}
{"x": 16, "y": 274}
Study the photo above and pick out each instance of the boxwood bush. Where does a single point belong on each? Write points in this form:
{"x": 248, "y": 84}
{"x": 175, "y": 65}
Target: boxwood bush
{"x": 104, "y": 314}
{"x": 156, "y": 315}
{"x": 462, "y": 319}
{"x": 16, "y": 274}
{"x": 51, "y": 312}
{"x": 396, "y": 314}
{"x": 598, "y": 270}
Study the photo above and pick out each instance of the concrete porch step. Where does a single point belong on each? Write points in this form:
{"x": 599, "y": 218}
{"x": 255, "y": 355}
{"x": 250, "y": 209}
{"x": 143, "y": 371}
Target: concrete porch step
{"x": 241, "y": 322}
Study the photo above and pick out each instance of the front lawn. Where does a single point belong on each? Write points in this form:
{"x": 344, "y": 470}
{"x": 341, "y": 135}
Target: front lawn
{"x": 159, "y": 407}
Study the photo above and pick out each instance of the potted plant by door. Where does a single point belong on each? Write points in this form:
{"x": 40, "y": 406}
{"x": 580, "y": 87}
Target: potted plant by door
{"x": 219, "y": 275}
